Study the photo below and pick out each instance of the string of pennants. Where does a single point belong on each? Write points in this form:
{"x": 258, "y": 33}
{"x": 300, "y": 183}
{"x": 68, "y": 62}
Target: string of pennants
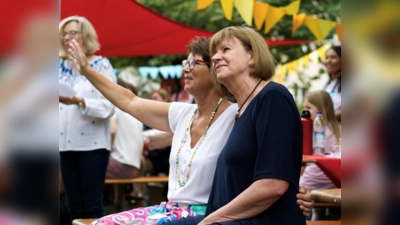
{"x": 301, "y": 63}
{"x": 270, "y": 15}
{"x": 172, "y": 71}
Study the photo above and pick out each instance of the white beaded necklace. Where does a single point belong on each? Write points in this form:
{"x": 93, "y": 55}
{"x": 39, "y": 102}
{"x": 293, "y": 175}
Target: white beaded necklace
{"x": 181, "y": 183}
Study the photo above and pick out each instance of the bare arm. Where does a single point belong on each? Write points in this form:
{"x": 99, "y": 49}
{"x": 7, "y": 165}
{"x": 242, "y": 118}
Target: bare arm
{"x": 251, "y": 202}
{"x": 151, "y": 113}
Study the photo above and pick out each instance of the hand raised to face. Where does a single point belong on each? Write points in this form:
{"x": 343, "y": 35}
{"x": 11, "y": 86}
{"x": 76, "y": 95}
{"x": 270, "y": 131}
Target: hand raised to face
{"x": 77, "y": 58}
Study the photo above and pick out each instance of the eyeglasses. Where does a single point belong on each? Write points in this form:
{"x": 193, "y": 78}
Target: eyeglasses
{"x": 192, "y": 63}
{"x": 70, "y": 34}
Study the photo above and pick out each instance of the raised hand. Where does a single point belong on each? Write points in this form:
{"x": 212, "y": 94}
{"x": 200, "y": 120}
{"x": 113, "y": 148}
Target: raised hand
{"x": 77, "y": 57}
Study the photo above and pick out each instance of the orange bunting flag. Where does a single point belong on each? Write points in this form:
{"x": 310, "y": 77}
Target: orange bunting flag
{"x": 297, "y": 21}
{"x": 245, "y": 9}
{"x": 292, "y": 8}
{"x": 227, "y": 7}
{"x": 202, "y": 4}
{"x": 313, "y": 25}
{"x": 273, "y": 16}
{"x": 325, "y": 26}
{"x": 339, "y": 31}
{"x": 260, "y": 12}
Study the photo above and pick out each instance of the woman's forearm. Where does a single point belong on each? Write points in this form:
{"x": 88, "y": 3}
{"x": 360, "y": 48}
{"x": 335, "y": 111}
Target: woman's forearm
{"x": 251, "y": 202}
{"x": 117, "y": 95}
{"x": 151, "y": 113}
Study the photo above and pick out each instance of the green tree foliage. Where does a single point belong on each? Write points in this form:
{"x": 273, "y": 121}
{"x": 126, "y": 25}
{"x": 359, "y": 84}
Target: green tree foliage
{"x": 212, "y": 19}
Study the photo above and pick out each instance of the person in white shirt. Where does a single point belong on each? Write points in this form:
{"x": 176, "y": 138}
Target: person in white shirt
{"x": 125, "y": 160}
{"x": 84, "y": 136}
{"x": 333, "y": 64}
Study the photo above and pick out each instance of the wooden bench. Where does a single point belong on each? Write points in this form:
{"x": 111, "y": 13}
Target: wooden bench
{"x": 144, "y": 179}
{"x": 331, "y": 196}
{"x": 307, "y": 160}
{"x": 82, "y": 221}
{"x": 325, "y": 222}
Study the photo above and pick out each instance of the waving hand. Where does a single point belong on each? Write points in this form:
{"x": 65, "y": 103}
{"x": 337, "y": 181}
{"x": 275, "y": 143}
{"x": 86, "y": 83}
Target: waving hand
{"x": 77, "y": 57}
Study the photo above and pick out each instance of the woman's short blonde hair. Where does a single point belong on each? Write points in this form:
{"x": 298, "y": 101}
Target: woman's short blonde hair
{"x": 264, "y": 62}
{"x": 90, "y": 40}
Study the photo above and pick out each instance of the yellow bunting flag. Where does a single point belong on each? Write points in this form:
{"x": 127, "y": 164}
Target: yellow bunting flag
{"x": 327, "y": 46}
{"x": 260, "y": 12}
{"x": 295, "y": 65}
{"x": 282, "y": 70}
{"x": 245, "y": 9}
{"x": 202, "y": 4}
{"x": 297, "y": 21}
{"x": 314, "y": 57}
{"x": 325, "y": 26}
{"x": 321, "y": 52}
{"x": 305, "y": 58}
{"x": 292, "y": 8}
{"x": 313, "y": 25}
{"x": 227, "y": 7}
{"x": 273, "y": 16}
{"x": 279, "y": 78}
{"x": 339, "y": 31}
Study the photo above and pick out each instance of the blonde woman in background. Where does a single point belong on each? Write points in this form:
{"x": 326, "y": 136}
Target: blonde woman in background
{"x": 84, "y": 124}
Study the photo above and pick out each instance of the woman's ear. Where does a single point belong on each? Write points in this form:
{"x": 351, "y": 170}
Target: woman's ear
{"x": 251, "y": 61}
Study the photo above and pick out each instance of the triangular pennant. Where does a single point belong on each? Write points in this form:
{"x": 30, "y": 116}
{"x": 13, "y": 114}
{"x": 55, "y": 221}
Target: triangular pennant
{"x": 313, "y": 25}
{"x": 245, "y": 9}
{"x": 321, "y": 52}
{"x": 297, "y": 21}
{"x": 325, "y": 26}
{"x": 300, "y": 63}
{"x": 314, "y": 57}
{"x": 339, "y": 31}
{"x": 279, "y": 78}
{"x": 260, "y": 12}
{"x": 283, "y": 70}
{"x": 144, "y": 72}
{"x": 202, "y": 4}
{"x": 273, "y": 16}
{"x": 167, "y": 71}
{"x": 292, "y": 8}
{"x": 178, "y": 71}
{"x": 305, "y": 58}
{"x": 227, "y": 7}
{"x": 295, "y": 64}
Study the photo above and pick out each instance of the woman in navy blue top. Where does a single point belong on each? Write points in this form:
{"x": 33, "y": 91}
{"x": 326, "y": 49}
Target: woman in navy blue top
{"x": 258, "y": 170}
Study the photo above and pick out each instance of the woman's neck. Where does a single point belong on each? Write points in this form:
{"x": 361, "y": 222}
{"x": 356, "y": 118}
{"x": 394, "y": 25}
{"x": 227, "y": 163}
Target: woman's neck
{"x": 335, "y": 75}
{"x": 207, "y": 102}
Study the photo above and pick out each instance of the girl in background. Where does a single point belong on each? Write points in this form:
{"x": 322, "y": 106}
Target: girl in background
{"x": 313, "y": 178}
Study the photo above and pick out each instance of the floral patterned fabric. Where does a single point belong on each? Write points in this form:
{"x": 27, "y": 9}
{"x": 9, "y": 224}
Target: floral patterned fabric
{"x": 157, "y": 214}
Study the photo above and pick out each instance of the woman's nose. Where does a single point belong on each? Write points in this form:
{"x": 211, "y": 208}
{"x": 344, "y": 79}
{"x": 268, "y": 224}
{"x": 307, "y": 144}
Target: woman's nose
{"x": 216, "y": 57}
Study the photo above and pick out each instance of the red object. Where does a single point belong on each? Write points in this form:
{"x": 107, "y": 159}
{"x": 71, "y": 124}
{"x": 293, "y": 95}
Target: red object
{"x": 332, "y": 167}
{"x": 307, "y": 133}
{"x": 127, "y": 28}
